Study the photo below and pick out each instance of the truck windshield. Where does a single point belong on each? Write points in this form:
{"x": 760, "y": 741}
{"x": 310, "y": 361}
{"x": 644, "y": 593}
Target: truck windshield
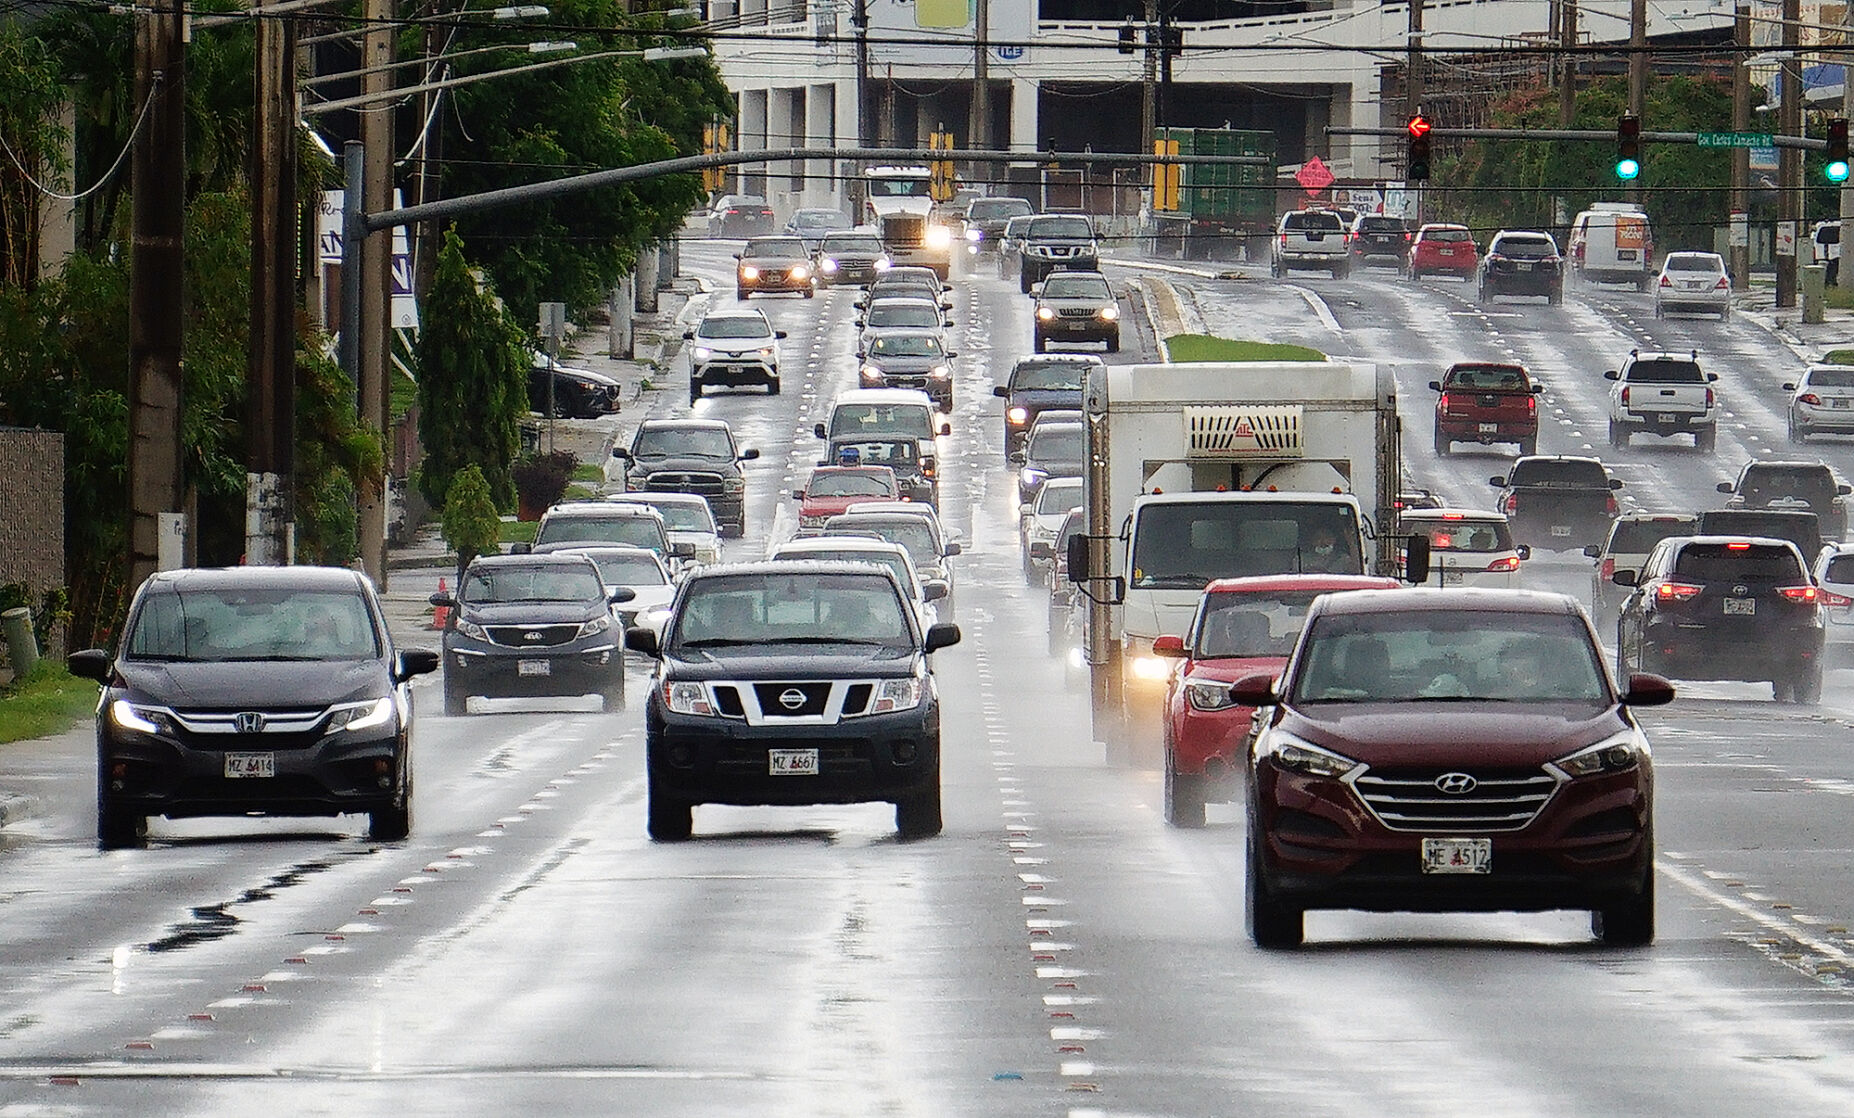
{"x": 898, "y": 187}
{"x": 1184, "y": 546}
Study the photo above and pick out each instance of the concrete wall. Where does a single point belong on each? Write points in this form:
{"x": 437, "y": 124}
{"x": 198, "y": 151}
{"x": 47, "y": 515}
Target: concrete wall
{"x": 32, "y": 509}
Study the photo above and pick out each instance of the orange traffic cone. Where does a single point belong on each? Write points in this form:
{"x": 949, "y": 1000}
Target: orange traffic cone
{"x": 441, "y": 615}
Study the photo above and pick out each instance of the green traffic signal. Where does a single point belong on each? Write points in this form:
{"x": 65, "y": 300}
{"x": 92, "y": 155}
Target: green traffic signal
{"x": 1627, "y": 169}
{"x": 1837, "y": 171}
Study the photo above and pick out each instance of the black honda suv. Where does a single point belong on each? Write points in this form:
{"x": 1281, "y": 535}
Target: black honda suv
{"x": 1724, "y": 607}
{"x": 792, "y": 682}
{"x": 272, "y": 690}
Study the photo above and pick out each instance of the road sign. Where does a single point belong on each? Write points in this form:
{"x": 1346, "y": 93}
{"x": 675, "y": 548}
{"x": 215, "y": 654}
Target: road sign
{"x": 1735, "y": 140}
{"x": 1313, "y": 176}
{"x": 1740, "y": 230}
{"x": 1786, "y": 238}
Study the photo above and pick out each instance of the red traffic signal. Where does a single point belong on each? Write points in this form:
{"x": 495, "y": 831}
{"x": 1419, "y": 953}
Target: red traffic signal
{"x": 1419, "y": 127}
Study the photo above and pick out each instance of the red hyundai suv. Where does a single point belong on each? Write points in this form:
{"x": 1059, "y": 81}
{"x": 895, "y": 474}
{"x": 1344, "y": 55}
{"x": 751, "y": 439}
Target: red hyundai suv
{"x": 1242, "y": 625}
{"x": 1450, "y": 750}
{"x": 1480, "y": 402}
{"x": 1447, "y": 249}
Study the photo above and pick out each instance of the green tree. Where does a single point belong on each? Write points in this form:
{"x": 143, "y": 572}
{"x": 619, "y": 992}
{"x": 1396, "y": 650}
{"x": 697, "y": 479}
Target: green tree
{"x": 472, "y": 381}
{"x": 470, "y": 523}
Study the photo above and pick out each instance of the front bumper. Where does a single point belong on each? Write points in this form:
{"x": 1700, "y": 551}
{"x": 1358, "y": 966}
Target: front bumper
{"x": 593, "y": 666}
{"x": 156, "y": 775}
{"x": 860, "y": 760}
{"x": 732, "y": 372}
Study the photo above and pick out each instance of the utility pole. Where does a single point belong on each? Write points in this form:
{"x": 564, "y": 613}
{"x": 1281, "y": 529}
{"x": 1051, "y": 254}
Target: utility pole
{"x": 978, "y": 124}
{"x": 1149, "y": 82}
{"x": 1638, "y": 78}
{"x": 373, "y": 386}
{"x": 1163, "y": 119}
{"x": 270, "y": 380}
{"x": 156, "y": 217}
{"x": 1740, "y": 204}
{"x": 1789, "y": 160}
{"x": 1413, "y": 64}
{"x": 1567, "y": 66}
{"x": 1845, "y": 209}
{"x": 860, "y": 18}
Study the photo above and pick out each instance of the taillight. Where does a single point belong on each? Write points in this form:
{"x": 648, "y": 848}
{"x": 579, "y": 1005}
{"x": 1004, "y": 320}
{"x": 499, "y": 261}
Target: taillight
{"x": 1506, "y": 565}
{"x": 1512, "y": 503}
{"x": 1625, "y": 395}
{"x": 1284, "y": 240}
{"x": 1532, "y": 404}
{"x": 1665, "y": 282}
{"x": 1674, "y": 591}
{"x": 1811, "y": 399}
{"x": 1443, "y": 403}
{"x": 1612, "y": 506}
{"x": 1608, "y": 570}
{"x": 1804, "y": 594}
{"x": 1836, "y": 601}
{"x": 1724, "y": 284}
{"x": 1408, "y": 237}
{"x": 1709, "y": 397}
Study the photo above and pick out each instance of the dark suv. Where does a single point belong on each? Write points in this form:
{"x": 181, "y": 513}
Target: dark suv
{"x": 792, "y": 682}
{"x": 526, "y": 625}
{"x": 691, "y": 456}
{"x": 985, "y": 220}
{"x": 1484, "y": 403}
{"x": 1725, "y": 607}
{"x": 1050, "y": 242}
{"x": 1522, "y": 264}
{"x": 273, "y": 690}
{"x": 1810, "y": 486}
{"x": 1379, "y": 238}
{"x": 1449, "y": 750}
{"x": 1038, "y": 384}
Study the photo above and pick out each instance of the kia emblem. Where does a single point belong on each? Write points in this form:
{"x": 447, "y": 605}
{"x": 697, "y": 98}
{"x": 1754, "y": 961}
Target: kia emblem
{"x": 248, "y": 722}
{"x": 1456, "y": 784}
{"x": 532, "y": 638}
{"x": 791, "y": 698}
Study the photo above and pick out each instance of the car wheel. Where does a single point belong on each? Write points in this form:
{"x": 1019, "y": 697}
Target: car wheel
{"x": 1024, "y": 281}
{"x": 1529, "y": 447}
{"x": 810, "y": 293}
{"x": 1618, "y": 435}
{"x": 1341, "y": 271}
{"x": 1797, "y": 435}
{"x": 670, "y": 819}
{"x": 1113, "y": 344}
{"x": 1627, "y": 923}
{"x": 1416, "y": 275}
{"x": 1807, "y": 687}
{"x": 391, "y": 822}
{"x": 1444, "y": 444}
{"x": 1184, "y": 798}
{"x": 1706, "y": 439}
{"x": 456, "y": 700}
{"x": 1556, "y": 297}
{"x": 1271, "y": 923}
{"x": 614, "y": 695}
{"x": 695, "y": 393}
{"x": 918, "y": 816}
{"x": 119, "y": 828}
{"x": 1039, "y": 344}
{"x": 1658, "y": 312}
{"x": 1782, "y": 690}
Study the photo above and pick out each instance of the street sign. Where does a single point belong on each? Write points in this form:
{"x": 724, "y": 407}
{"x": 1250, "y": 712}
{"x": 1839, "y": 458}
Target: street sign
{"x": 1740, "y": 230}
{"x": 1735, "y": 140}
{"x": 1786, "y": 238}
{"x": 1313, "y": 176}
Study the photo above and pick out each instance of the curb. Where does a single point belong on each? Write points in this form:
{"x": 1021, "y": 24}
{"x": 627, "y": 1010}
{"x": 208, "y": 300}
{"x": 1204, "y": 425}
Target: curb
{"x": 17, "y": 806}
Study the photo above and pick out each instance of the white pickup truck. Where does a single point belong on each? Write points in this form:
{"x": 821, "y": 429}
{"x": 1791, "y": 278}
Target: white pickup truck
{"x": 1662, "y": 394}
{"x": 1310, "y": 239}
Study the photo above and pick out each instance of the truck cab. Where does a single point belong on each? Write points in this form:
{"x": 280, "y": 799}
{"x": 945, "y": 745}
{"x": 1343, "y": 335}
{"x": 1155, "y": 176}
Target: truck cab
{"x": 898, "y": 205}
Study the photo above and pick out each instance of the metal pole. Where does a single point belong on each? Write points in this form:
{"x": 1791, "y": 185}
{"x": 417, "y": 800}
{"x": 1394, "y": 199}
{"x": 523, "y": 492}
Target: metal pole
{"x": 1789, "y": 160}
{"x": 156, "y": 271}
{"x": 1739, "y": 219}
{"x": 353, "y": 234}
{"x": 1638, "y": 80}
{"x": 1845, "y": 209}
{"x": 863, "y": 114}
{"x": 1413, "y": 63}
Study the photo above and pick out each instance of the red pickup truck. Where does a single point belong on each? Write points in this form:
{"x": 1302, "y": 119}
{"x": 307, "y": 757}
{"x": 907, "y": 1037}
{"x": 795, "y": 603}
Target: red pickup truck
{"x": 1480, "y": 402}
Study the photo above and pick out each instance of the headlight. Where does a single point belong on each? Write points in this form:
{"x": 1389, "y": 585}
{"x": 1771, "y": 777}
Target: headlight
{"x": 1151, "y": 667}
{"x": 939, "y": 237}
{"x": 882, "y": 264}
{"x": 147, "y": 720}
{"x": 474, "y": 631}
{"x": 1018, "y": 416}
{"x": 361, "y": 716}
{"x": 1302, "y": 756}
{"x": 827, "y": 265}
{"x": 801, "y": 272}
{"x": 594, "y": 627}
{"x": 1613, "y": 754}
{"x": 733, "y": 485}
{"x": 1044, "y": 314}
{"x": 975, "y": 234}
{"x": 940, "y": 371}
{"x": 749, "y": 272}
{"x": 688, "y": 698}
{"x": 1208, "y": 694}
{"x": 1031, "y": 477}
{"x": 1109, "y": 314}
{"x": 701, "y": 353}
{"x": 896, "y": 694}
{"x": 872, "y": 372}
{"x": 767, "y": 352}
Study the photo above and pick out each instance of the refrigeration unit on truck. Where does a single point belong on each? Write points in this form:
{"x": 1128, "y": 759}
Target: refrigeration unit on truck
{"x": 1200, "y": 471}
{"x": 896, "y": 203}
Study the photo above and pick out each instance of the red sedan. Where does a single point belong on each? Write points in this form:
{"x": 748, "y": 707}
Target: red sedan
{"x": 1243, "y": 625}
{"x": 833, "y": 489}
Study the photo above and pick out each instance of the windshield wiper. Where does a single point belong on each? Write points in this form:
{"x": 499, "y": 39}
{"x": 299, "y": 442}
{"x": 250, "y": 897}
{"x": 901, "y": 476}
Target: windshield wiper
{"x": 828, "y": 640}
{"x": 1179, "y": 581}
{"x": 717, "y": 642}
{"x": 162, "y": 658}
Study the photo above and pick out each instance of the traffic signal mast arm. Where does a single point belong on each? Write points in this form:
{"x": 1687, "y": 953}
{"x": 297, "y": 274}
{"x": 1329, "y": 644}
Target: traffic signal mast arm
{"x": 1605, "y": 135}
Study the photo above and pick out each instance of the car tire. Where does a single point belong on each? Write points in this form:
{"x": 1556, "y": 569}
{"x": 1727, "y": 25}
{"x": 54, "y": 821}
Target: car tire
{"x": 456, "y": 700}
{"x": 1706, "y": 439}
{"x": 1807, "y": 688}
{"x": 740, "y": 293}
{"x": 1797, "y": 435}
{"x": 918, "y": 816}
{"x": 1272, "y": 924}
{"x": 391, "y": 822}
{"x": 1658, "y": 312}
{"x": 1529, "y": 447}
{"x": 614, "y": 695}
{"x": 1038, "y": 343}
{"x": 1113, "y": 344}
{"x": 1415, "y": 275}
{"x": 118, "y": 828}
{"x": 1618, "y": 435}
{"x": 669, "y": 819}
{"x": 695, "y": 393}
{"x": 1444, "y": 444}
{"x": 810, "y": 292}
{"x": 1628, "y": 923}
{"x": 1342, "y": 271}
{"x": 1276, "y": 269}
{"x": 1184, "y": 798}
{"x": 1556, "y": 298}
{"x": 1024, "y": 281}
{"x": 772, "y": 387}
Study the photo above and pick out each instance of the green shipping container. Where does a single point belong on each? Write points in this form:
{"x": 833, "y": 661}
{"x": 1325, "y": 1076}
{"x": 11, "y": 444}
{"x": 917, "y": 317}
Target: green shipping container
{"x": 1228, "y": 194}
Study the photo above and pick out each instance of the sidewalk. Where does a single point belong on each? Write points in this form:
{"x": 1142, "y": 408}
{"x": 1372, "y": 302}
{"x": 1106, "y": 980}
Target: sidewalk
{"x": 1807, "y": 340}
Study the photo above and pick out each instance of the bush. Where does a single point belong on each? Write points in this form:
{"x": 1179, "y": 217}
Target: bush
{"x": 541, "y": 479}
{"x": 470, "y": 525}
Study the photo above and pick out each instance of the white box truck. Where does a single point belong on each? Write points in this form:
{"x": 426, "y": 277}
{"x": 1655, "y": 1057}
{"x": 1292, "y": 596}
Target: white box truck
{"x": 1200, "y": 471}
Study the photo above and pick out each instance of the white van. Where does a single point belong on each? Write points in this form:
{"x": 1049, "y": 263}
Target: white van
{"x": 1611, "y": 242}
{"x": 1825, "y": 247}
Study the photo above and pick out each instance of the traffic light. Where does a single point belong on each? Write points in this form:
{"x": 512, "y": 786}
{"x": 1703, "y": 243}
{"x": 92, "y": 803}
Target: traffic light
{"x": 1166, "y": 177}
{"x": 1837, "y": 167}
{"x": 1628, "y": 147}
{"x": 940, "y": 171}
{"x": 1126, "y": 38}
{"x": 1416, "y": 166}
{"x": 714, "y": 141}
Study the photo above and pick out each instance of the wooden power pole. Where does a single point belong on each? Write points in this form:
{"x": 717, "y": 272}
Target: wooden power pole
{"x": 375, "y": 353}
{"x": 270, "y": 383}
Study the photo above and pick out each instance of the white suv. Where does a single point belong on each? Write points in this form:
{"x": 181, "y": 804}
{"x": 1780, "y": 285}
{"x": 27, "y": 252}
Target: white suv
{"x": 1662, "y": 394}
{"x": 1311, "y": 239}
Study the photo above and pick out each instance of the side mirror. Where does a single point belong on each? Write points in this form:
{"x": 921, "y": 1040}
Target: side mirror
{"x": 1538, "y": 390}
{"x": 1002, "y": 392}
{"x": 682, "y": 549}
{"x": 622, "y": 594}
{"x": 688, "y": 335}
{"x": 798, "y": 494}
{"x": 737, "y": 256}
{"x": 1648, "y": 690}
{"x": 941, "y": 636}
{"x": 1435, "y": 386}
{"x": 1497, "y": 481}
{"x": 620, "y": 452}
{"x": 953, "y": 549}
{"x": 818, "y": 431}
{"x": 947, "y": 322}
{"x": 860, "y": 304}
{"x": 639, "y": 639}
{"x": 1524, "y": 551}
{"x": 1078, "y": 558}
{"x": 1016, "y": 457}
{"x": 1615, "y": 483}
{"x": 749, "y": 454}
{"x": 1257, "y": 689}
{"x": 1613, "y": 374}
{"x": 946, "y": 428}
{"x": 1416, "y": 559}
{"x": 1042, "y": 549}
{"x": 1169, "y": 647}
{"x": 1843, "y": 490}
{"x": 91, "y": 663}
{"x": 1789, "y": 387}
{"x": 442, "y": 599}
{"x": 1711, "y": 377}
{"x": 780, "y": 334}
{"x": 1593, "y": 550}
{"x": 520, "y": 547}
{"x": 1724, "y": 487}
{"x": 1626, "y": 577}
{"x": 415, "y": 661}
{"x": 934, "y": 589}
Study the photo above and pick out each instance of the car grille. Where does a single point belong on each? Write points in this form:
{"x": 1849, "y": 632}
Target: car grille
{"x": 532, "y": 636}
{"x": 1056, "y": 252}
{"x": 1076, "y": 312}
{"x": 904, "y": 380}
{"x": 792, "y": 700}
{"x": 708, "y": 485}
{"x": 285, "y": 728}
{"x": 1413, "y": 800}
{"x": 818, "y": 701}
